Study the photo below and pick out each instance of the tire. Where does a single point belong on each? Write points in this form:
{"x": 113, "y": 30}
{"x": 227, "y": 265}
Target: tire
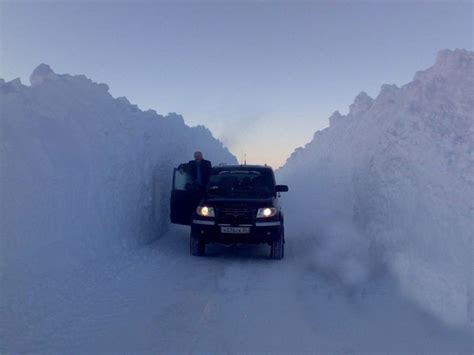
{"x": 278, "y": 248}
{"x": 283, "y": 246}
{"x": 196, "y": 246}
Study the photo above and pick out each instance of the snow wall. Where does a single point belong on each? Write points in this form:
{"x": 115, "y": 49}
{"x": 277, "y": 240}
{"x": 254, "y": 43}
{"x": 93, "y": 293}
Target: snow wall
{"x": 83, "y": 174}
{"x": 390, "y": 186}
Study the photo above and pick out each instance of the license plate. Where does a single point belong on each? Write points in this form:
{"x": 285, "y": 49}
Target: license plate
{"x": 235, "y": 230}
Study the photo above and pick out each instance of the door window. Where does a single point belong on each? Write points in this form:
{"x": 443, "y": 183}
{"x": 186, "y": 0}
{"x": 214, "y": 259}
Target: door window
{"x": 182, "y": 179}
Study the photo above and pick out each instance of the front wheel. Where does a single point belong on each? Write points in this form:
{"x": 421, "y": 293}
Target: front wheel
{"x": 196, "y": 246}
{"x": 278, "y": 248}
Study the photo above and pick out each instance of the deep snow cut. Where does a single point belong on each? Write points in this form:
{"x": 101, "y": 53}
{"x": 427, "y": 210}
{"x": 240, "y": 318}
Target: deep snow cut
{"x": 390, "y": 184}
{"x": 83, "y": 174}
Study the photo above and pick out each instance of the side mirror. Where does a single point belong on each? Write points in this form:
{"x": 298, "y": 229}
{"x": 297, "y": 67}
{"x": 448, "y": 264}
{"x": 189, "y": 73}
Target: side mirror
{"x": 281, "y": 188}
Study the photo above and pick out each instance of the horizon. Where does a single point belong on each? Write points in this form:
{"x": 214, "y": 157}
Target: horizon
{"x": 241, "y": 158}
{"x": 247, "y": 71}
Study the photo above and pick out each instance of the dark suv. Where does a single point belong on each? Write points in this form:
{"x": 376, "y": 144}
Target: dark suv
{"x": 239, "y": 205}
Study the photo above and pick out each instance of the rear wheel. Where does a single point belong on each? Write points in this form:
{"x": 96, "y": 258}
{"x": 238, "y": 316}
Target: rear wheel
{"x": 196, "y": 246}
{"x": 278, "y": 248}
{"x": 283, "y": 246}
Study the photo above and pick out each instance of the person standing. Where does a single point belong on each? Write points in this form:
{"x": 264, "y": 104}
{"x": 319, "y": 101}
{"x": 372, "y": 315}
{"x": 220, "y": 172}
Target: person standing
{"x": 200, "y": 169}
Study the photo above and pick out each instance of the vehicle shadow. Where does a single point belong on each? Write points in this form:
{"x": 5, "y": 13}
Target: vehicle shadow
{"x": 238, "y": 251}
{"x": 176, "y": 241}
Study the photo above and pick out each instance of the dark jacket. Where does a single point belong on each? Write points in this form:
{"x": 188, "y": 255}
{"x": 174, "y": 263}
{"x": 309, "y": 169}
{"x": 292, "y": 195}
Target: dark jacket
{"x": 205, "y": 166}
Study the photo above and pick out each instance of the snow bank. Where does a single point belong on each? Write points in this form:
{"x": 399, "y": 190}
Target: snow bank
{"x": 83, "y": 174}
{"x": 391, "y": 184}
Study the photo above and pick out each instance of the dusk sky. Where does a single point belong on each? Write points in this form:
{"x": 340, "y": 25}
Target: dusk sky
{"x": 263, "y": 76}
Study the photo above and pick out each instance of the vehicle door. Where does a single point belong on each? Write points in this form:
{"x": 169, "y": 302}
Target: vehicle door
{"x": 184, "y": 196}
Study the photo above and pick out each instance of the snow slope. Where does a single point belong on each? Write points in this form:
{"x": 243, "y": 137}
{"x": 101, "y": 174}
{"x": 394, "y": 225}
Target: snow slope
{"x": 390, "y": 185}
{"x": 83, "y": 174}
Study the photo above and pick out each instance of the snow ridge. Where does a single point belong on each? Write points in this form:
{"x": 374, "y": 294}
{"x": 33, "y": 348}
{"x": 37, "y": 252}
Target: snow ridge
{"x": 83, "y": 174}
{"x": 392, "y": 183}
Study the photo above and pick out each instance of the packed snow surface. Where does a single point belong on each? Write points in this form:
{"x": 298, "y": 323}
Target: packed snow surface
{"x": 379, "y": 228}
{"x": 159, "y": 299}
{"x": 390, "y": 184}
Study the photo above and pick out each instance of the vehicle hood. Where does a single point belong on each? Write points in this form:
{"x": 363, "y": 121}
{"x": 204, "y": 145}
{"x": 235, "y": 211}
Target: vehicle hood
{"x": 238, "y": 202}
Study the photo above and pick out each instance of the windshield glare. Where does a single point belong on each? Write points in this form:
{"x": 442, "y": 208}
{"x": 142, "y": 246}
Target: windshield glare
{"x": 240, "y": 183}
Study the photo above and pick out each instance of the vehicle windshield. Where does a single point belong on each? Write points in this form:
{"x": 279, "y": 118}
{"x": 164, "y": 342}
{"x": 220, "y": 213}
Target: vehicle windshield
{"x": 241, "y": 183}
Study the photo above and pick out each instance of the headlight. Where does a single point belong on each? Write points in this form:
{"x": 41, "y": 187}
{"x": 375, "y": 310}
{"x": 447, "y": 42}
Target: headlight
{"x": 205, "y": 211}
{"x": 266, "y": 212}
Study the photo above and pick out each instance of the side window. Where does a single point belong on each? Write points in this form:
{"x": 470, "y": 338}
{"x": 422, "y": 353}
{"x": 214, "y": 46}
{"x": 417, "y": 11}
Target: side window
{"x": 181, "y": 179}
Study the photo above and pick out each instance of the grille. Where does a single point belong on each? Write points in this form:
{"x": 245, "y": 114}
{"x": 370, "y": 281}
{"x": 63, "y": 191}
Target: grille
{"x": 236, "y": 215}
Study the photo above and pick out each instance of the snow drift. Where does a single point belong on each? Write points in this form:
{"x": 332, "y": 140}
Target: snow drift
{"x": 391, "y": 184}
{"x": 83, "y": 174}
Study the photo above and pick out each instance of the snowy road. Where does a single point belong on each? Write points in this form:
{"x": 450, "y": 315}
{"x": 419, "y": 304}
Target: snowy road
{"x": 160, "y": 299}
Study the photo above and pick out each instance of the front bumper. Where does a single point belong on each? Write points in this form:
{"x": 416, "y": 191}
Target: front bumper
{"x": 260, "y": 232}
